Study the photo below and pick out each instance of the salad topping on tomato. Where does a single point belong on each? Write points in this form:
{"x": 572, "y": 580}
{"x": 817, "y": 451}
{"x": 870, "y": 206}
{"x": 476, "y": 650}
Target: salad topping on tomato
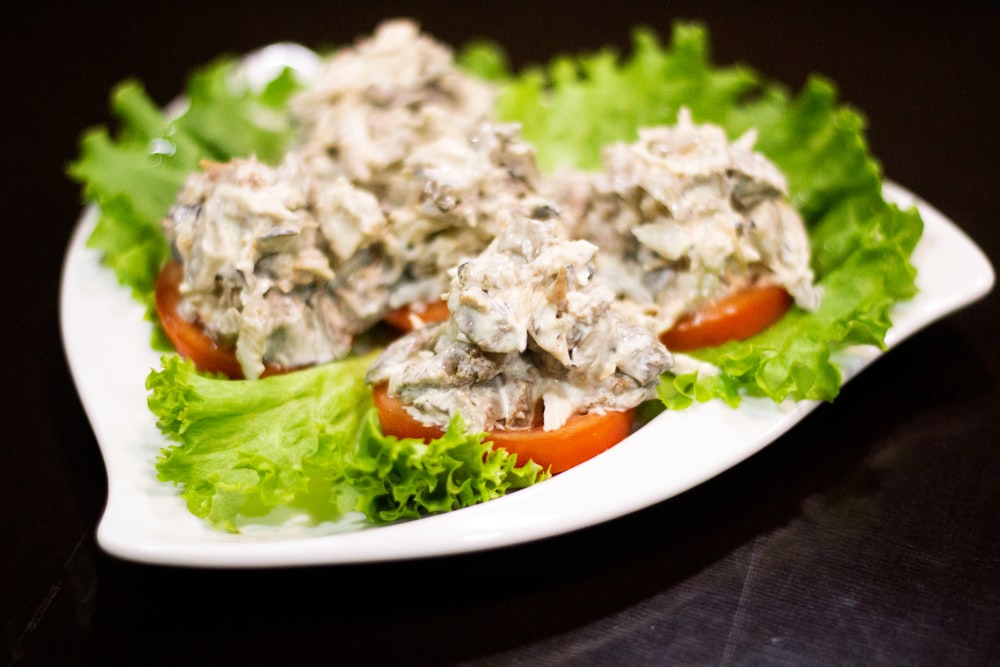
{"x": 535, "y": 352}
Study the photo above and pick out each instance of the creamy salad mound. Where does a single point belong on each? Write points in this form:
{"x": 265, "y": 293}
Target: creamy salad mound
{"x": 401, "y": 185}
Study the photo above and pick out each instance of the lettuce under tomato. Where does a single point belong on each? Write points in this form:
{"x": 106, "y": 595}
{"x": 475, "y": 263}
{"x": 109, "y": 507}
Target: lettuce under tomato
{"x": 310, "y": 441}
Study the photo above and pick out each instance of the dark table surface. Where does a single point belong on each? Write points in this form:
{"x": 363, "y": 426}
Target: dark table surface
{"x": 866, "y": 535}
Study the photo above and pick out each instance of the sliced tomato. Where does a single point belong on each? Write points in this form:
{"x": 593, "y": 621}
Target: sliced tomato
{"x": 189, "y": 338}
{"x": 395, "y": 420}
{"x": 402, "y": 318}
{"x": 581, "y": 438}
{"x": 735, "y": 317}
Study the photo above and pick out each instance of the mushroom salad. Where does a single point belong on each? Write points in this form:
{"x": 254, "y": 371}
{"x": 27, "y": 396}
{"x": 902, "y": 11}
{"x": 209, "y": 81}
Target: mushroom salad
{"x": 401, "y": 188}
{"x": 477, "y": 273}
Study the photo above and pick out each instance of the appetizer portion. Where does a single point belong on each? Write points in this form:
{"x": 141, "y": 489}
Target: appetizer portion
{"x": 253, "y": 274}
{"x": 532, "y": 341}
{"x": 686, "y": 219}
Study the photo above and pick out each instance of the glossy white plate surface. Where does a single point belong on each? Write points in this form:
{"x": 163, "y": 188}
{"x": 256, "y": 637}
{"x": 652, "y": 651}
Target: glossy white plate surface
{"x": 107, "y": 345}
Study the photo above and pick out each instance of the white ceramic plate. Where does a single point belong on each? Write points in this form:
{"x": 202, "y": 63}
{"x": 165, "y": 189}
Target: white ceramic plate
{"x": 107, "y": 345}
{"x": 106, "y": 341}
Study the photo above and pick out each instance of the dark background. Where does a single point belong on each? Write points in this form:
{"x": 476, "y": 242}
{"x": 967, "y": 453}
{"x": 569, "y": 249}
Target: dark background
{"x": 866, "y": 535}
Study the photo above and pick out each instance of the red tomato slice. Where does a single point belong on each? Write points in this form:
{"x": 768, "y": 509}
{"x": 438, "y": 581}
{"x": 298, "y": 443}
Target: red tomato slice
{"x": 582, "y": 437}
{"x": 189, "y": 338}
{"x": 735, "y": 317}
{"x": 401, "y": 318}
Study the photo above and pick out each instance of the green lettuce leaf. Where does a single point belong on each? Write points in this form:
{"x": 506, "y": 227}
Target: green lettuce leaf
{"x": 310, "y": 441}
{"x": 134, "y": 177}
{"x": 576, "y": 104}
{"x": 389, "y": 479}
